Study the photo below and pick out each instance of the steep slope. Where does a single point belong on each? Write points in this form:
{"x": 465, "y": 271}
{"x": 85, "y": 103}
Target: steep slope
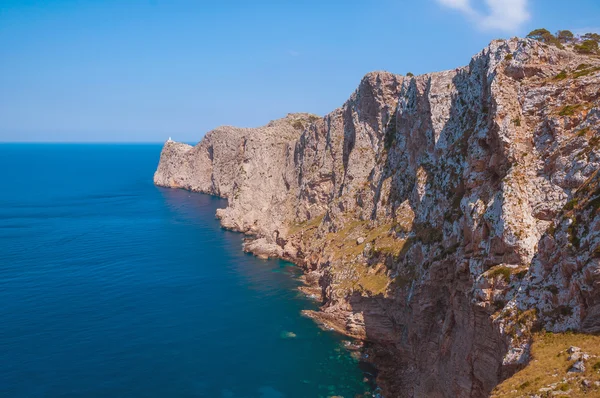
{"x": 419, "y": 210}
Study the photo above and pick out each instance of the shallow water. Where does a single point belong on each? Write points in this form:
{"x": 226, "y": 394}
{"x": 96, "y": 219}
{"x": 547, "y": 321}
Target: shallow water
{"x": 112, "y": 287}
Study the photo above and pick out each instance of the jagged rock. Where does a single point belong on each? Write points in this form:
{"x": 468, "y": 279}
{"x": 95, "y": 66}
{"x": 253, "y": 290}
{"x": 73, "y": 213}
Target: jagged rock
{"x": 475, "y": 189}
{"x": 586, "y": 383}
{"x": 263, "y": 249}
{"x": 574, "y": 357}
{"x": 575, "y": 353}
{"x": 578, "y": 367}
{"x": 578, "y": 355}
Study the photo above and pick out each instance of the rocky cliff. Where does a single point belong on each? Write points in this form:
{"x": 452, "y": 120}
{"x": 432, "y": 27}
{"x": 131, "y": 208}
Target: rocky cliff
{"x": 444, "y": 218}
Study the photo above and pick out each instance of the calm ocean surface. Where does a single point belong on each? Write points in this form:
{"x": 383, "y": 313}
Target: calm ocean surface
{"x": 112, "y": 287}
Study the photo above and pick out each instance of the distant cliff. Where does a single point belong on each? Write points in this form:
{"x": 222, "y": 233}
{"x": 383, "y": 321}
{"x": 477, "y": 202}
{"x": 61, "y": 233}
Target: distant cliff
{"x": 442, "y": 217}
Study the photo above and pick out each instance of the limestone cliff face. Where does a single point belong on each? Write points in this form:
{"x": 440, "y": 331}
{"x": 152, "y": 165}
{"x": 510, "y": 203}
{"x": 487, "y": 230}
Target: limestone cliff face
{"x": 246, "y": 166}
{"x": 441, "y": 217}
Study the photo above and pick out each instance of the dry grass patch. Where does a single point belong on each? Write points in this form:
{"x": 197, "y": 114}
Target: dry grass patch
{"x": 353, "y": 272}
{"x": 585, "y": 71}
{"x": 505, "y": 272}
{"x": 571, "y": 110}
{"x": 384, "y": 241}
{"x": 547, "y": 373}
{"x": 304, "y": 226}
{"x": 361, "y": 278}
{"x": 343, "y": 243}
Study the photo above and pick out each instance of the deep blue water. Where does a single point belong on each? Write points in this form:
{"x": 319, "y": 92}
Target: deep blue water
{"x": 112, "y": 287}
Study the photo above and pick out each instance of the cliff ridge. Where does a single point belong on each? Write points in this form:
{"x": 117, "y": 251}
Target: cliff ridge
{"x": 444, "y": 218}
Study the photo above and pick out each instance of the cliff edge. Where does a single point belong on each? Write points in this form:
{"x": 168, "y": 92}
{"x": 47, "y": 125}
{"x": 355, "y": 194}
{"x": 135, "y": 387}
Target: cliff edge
{"x": 444, "y": 218}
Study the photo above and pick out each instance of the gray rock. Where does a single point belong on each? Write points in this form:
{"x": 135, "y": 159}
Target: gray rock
{"x": 574, "y": 356}
{"x": 585, "y": 356}
{"x": 578, "y": 367}
{"x": 586, "y": 383}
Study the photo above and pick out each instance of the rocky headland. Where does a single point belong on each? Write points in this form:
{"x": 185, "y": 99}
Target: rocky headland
{"x": 449, "y": 219}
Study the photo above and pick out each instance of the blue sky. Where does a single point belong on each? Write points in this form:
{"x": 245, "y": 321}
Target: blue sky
{"x": 146, "y": 70}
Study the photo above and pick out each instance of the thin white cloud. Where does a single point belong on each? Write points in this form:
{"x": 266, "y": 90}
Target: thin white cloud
{"x": 505, "y": 15}
{"x": 293, "y": 53}
{"x": 462, "y": 5}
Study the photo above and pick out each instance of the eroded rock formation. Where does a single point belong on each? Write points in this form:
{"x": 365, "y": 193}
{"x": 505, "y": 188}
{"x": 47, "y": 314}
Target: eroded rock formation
{"x": 441, "y": 217}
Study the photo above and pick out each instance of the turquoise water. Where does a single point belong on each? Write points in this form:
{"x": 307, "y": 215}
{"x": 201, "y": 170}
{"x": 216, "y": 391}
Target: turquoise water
{"x": 112, "y": 287}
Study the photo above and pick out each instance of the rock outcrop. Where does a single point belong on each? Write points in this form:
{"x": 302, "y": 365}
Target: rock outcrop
{"x": 441, "y": 217}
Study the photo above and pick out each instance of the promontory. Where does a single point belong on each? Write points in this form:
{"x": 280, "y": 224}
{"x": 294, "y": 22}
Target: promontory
{"x": 451, "y": 220}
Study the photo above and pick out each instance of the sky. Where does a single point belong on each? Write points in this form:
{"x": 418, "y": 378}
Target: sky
{"x": 143, "y": 71}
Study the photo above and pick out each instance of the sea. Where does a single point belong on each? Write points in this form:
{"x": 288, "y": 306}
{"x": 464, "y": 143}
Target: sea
{"x": 113, "y": 287}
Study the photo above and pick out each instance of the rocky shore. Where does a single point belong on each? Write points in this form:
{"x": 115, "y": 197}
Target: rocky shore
{"x": 444, "y": 218}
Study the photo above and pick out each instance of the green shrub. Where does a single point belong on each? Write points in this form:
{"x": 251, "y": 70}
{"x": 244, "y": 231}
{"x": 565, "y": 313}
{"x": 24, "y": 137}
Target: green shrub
{"x": 582, "y": 66}
{"x": 521, "y": 274}
{"x": 508, "y": 57}
{"x": 565, "y": 36}
{"x": 569, "y": 110}
{"x": 504, "y": 272}
{"x": 585, "y": 72}
{"x": 571, "y": 204}
{"x": 499, "y": 304}
{"x": 591, "y": 36}
{"x": 583, "y": 132}
{"x": 561, "y": 76}
{"x": 544, "y": 36}
{"x": 587, "y": 47}
{"x": 516, "y": 121}
{"x": 541, "y": 34}
{"x": 409, "y": 74}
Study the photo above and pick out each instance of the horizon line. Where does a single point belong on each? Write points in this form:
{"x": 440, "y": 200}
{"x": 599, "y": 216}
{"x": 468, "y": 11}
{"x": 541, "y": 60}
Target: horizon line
{"x": 88, "y": 142}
